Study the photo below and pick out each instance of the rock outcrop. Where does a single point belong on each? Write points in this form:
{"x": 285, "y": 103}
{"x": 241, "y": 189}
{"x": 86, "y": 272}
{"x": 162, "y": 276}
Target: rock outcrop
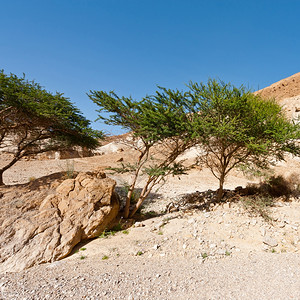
{"x": 285, "y": 88}
{"x": 48, "y": 229}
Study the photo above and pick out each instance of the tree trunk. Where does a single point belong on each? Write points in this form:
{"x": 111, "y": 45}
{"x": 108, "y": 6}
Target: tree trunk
{"x": 127, "y": 205}
{"x": 137, "y": 206}
{"x": 220, "y": 190}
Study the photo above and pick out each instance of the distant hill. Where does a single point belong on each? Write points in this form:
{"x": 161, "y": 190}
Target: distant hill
{"x": 287, "y": 93}
{"x": 285, "y": 88}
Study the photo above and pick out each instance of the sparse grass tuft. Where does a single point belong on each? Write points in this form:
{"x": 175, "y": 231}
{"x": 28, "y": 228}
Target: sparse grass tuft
{"x": 139, "y": 253}
{"x": 69, "y": 169}
{"x": 105, "y": 257}
{"x": 117, "y": 227}
{"x": 82, "y": 249}
{"x": 258, "y": 206}
{"x": 31, "y": 179}
{"x": 82, "y": 257}
{"x": 125, "y": 232}
{"x": 204, "y": 255}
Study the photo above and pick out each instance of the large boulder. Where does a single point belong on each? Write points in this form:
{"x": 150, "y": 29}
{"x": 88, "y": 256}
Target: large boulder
{"x": 47, "y": 230}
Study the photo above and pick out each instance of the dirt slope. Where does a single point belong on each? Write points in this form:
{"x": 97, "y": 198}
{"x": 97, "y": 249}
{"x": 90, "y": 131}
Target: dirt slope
{"x": 285, "y": 88}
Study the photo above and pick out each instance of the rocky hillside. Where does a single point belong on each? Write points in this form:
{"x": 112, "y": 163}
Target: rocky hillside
{"x": 287, "y": 93}
{"x": 285, "y": 88}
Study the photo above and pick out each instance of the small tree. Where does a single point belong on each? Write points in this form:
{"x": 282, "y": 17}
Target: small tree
{"x": 238, "y": 129}
{"x": 159, "y": 128}
{"x": 33, "y": 121}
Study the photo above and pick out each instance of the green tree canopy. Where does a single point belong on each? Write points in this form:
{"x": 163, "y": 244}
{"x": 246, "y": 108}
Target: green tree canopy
{"x": 33, "y": 120}
{"x": 158, "y": 120}
{"x": 238, "y": 129}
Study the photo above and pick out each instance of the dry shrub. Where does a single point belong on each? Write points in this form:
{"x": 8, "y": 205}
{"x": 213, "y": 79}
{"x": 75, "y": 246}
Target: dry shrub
{"x": 276, "y": 186}
{"x": 258, "y": 205}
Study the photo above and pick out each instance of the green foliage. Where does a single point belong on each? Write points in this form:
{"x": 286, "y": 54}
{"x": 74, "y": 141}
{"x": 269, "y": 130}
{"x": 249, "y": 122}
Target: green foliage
{"x": 153, "y": 118}
{"x": 117, "y": 227}
{"x": 158, "y": 170}
{"x": 33, "y": 120}
{"x": 158, "y": 120}
{"x": 238, "y": 129}
{"x": 111, "y": 232}
{"x": 105, "y": 234}
{"x": 105, "y": 257}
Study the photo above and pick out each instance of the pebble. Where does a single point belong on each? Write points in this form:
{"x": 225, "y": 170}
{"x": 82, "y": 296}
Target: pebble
{"x": 281, "y": 225}
{"x": 263, "y": 231}
{"x": 270, "y": 241}
{"x": 139, "y": 224}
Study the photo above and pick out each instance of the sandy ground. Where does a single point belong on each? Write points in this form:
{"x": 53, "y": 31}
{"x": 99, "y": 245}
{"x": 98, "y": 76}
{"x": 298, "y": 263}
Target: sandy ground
{"x": 221, "y": 253}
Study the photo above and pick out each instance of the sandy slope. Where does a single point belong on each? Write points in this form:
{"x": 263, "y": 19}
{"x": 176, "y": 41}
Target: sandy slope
{"x": 285, "y": 88}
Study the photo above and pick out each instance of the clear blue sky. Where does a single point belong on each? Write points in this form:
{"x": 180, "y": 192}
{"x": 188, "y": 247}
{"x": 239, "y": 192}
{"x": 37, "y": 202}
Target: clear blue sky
{"x": 130, "y": 46}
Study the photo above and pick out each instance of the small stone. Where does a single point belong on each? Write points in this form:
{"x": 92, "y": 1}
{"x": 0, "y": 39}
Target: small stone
{"x": 295, "y": 227}
{"x": 155, "y": 247}
{"x": 263, "y": 231}
{"x": 281, "y": 224}
{"x": 265, "y": 247}
{"x": 270, "y": 241}
{"x": 184, "y": 246}
{"x": 226, "y": 205}
{"x": 139, "y": 224}
{"x": 220, "y": 252}
{"x": 212, "y": 246}
{"x": 200, "y": 240}
{"x": 191, "y": 221}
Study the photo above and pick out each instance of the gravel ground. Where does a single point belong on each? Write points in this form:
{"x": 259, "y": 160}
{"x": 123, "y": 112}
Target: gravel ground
{"x": 243, "y": 275}
{"x": 263, "y": 276}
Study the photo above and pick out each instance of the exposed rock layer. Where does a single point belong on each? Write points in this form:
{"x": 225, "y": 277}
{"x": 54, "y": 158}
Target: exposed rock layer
{"x": 38, "y": 228}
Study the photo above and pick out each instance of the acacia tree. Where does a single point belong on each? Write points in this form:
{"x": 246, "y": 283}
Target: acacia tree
{"x": 158, "y": 124}
{"x": 33, "y": 121}
{"x": 238, "y": 129}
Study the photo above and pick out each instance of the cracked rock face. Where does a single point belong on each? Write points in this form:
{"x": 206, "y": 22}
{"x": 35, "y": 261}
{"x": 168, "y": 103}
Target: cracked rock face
{"x": 37, "y": 226}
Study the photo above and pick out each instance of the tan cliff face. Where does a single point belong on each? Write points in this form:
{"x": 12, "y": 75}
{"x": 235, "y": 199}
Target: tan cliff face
{"x": 285, "y": 88}
{"x": 287, "y": 93}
